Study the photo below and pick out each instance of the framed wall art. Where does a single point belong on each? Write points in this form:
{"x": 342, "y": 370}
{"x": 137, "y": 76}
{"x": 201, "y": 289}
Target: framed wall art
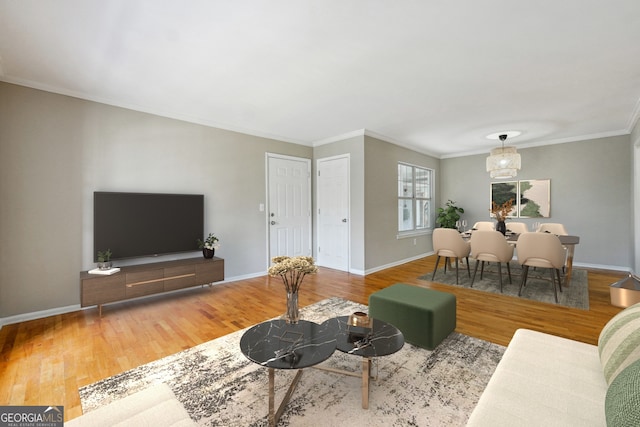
{"x": 534, "y": 198}
{"x": 502, "y": 192}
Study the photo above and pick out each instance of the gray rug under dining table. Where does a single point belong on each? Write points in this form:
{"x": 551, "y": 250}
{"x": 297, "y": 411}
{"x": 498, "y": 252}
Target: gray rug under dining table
{"x": 538, "y": 283}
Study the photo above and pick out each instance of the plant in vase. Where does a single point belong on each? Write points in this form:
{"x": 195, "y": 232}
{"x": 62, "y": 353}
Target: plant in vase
{"x": 292, "y": 271}
{"x": 104, "y": 259}
{"x": 501, "y": 212}
{"x": 209, "y": 245}
{"x": 447, "y": 217}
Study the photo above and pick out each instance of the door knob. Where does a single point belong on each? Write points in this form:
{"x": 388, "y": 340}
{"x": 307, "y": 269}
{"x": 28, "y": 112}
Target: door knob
{"x": 344, "y": 219}
{"x": 273, "y": 223}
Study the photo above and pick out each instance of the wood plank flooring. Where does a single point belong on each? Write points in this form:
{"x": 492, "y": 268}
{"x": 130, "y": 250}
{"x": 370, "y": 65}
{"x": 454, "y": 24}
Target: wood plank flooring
{"x": 45, "y": 361}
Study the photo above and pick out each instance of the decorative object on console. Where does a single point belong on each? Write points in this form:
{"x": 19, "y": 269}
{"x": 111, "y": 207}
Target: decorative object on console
{"x": 292, "y": 271}
{"x": 209, "y": 245}
{"x": 503, "y": 162}
{"x": 104, "y": 259}
{"x": 107, "y": 272}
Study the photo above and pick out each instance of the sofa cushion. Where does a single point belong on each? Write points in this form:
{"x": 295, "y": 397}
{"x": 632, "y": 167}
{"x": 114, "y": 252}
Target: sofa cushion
{"x": 619, "y": 342}
{"x": 544, "y": 380}
{"x": 622, "y": 404}
{"x": 153, "y": 406}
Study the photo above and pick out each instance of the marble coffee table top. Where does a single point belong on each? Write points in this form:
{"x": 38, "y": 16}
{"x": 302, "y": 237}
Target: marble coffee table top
{"x": 382, "y": 339}
{"x": 278, "y": 344}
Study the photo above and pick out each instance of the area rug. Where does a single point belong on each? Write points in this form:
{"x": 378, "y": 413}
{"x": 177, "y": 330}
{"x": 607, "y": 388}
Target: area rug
{"x": 219, "y": 386}
{"x": 538, "y": 283}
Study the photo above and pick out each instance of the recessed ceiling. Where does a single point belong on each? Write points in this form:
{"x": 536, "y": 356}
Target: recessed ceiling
{"x": 436, "y": 76}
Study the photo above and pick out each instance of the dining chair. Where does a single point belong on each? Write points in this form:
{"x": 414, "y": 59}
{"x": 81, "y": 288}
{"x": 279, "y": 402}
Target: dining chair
{"x": 553, "y": 228}
{"x": 517, "y": 227}
{"x": 542, "y": 250}
{"x": 448, "y": 243}
{"x": 484, "y": 225}
{"x": 557, "y": 229}
{"x": 490, "y": 246}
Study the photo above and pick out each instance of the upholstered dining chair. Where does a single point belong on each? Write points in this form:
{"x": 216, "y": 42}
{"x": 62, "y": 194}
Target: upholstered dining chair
{"x": 484, "y": 225}
{"x": 557, "y": 229}
{"x": 448, "y": 243}
{"x": 542, "y": 250}
{"x": 517, "y": 227}
{"x": 490, "y": 246}
{"x": 553, "y": 228}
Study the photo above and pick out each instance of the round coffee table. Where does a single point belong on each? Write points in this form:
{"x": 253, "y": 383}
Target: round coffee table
{"x": 382, "y": 339}
{"x": 277, "y": 344}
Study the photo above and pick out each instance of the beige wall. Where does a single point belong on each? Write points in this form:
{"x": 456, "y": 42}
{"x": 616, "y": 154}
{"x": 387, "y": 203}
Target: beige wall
{"x": 41, "y": 190}
{"x": 635, "y": 184}
{"x": 590, "y": 193}
{"x": 381, "y": 204}
{"x": 56, "y": 151}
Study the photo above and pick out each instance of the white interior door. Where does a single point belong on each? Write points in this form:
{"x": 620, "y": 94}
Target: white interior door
{"x": 289, "y": 213}
{"x": 333, "y": 213}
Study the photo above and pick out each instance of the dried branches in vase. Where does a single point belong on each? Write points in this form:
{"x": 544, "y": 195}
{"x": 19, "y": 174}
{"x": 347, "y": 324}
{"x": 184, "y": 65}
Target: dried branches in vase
{"x": 292, "y": 271}
{"x": 502, "y": 211}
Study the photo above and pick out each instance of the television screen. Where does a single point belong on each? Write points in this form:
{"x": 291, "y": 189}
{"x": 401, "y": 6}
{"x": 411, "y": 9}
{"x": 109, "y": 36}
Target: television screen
{"x": 146, "y": 224}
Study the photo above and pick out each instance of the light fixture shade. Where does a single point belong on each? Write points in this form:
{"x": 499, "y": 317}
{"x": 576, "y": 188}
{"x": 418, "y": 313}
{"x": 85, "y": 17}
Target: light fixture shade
{"x": 504, "y": 162}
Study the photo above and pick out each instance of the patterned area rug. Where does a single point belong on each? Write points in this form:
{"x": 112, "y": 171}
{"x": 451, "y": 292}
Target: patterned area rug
{"x": 220, "y": 387}
{"x": 538, "y": 283}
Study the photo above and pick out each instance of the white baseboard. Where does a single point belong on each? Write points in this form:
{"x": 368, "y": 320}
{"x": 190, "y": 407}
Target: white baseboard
{"x": 396, "y": 263}
{"x": 602, "y": 267}
{"x": 38, "y": 314}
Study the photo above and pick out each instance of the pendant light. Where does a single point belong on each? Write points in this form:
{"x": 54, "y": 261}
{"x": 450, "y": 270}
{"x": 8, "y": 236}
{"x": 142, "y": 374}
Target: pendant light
{"x": 503, "y": 162}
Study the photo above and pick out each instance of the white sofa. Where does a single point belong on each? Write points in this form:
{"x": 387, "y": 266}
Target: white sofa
{"x": 544, "y": 380}
{"x": 155, "y": 406}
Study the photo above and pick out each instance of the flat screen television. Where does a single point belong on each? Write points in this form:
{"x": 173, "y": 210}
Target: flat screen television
{"x": 146, "y": 224}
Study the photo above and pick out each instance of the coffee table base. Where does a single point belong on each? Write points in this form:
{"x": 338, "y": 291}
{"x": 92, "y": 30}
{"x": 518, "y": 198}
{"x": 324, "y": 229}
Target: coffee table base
{"x": 274, "y": 415}
{"x": 365, "y": 375}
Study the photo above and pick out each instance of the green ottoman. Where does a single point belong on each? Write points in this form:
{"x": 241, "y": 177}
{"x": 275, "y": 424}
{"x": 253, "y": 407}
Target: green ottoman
{"x": 425, "y": 317}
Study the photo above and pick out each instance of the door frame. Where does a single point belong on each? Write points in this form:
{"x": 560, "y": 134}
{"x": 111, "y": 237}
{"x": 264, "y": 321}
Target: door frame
{"x": 269, "y": 156}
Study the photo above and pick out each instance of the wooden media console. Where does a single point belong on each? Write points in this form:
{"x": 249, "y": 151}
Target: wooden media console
{"x": 148, "y": 279}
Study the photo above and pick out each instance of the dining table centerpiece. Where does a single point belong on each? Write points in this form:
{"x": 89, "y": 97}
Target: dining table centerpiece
{"x": 501, "y": 212}
{"x": 292, "y": 271}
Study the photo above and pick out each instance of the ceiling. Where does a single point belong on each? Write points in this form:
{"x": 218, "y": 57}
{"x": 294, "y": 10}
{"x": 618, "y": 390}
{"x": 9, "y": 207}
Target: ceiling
{"x": 435, "y": 76}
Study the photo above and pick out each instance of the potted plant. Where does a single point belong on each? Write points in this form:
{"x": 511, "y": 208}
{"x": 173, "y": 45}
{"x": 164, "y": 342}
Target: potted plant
{"x": 447, "y": 217}
{"x": 104, "y": 259}
{"x": 209, "y": 245}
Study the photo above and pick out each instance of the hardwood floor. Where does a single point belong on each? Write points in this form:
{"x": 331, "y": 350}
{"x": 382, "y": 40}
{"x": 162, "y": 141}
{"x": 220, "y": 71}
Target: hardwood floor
{"x": 45, "y": 361}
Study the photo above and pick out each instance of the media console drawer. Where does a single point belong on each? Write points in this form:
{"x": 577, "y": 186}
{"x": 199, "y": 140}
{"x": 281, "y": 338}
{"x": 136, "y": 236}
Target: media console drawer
{"x": 148, "y": 279}
{"x": 179, "y": 277}
{"x": 100, "y": 289}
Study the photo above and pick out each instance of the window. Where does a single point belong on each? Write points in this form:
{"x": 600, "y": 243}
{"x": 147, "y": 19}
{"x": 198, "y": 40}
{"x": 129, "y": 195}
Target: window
{"x": 415, "y": 194}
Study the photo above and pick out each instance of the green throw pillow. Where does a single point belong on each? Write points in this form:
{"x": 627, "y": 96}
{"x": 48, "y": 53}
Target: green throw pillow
{"x": 622, "y": 404}
{"x": 619, "y": 342}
